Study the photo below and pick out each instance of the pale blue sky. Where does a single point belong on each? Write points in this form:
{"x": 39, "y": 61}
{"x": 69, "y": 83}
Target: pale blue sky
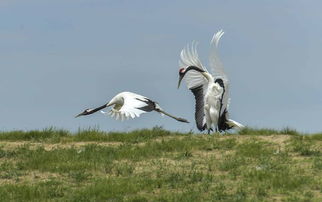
{"x": 59, "y": 57}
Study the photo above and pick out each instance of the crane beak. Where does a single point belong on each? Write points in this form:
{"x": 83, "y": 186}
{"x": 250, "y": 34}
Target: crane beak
{"x": 81, "y": 114}
{"x": 78, "y": 115}
{"x": 180, "y": 79}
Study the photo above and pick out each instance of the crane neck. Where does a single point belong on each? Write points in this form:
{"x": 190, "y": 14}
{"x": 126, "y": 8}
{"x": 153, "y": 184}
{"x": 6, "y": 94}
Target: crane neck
{"x": 98, "y": 108}
{"x": 208, "y": 76}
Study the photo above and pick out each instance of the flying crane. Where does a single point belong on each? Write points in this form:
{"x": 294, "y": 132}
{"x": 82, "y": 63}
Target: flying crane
{"x": 130, "y": 105}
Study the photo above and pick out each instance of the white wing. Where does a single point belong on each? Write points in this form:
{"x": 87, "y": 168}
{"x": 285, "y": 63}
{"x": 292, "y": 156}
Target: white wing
{"x": 215, "y": 63}
{"x": 217, "y": 67}
{"x": 189, "y": 57}
{"x": 133, "y": 106}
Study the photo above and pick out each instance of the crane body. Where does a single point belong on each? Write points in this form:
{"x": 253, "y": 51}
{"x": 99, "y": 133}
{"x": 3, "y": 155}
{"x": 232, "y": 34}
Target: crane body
{"x": 130, "y": 105}
{"x": 210, "y": 90}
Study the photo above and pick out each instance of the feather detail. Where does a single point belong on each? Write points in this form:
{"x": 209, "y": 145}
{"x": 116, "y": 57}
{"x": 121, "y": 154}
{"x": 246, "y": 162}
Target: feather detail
{"x": 189, "y": 57}
{"x": 215, "y": 63}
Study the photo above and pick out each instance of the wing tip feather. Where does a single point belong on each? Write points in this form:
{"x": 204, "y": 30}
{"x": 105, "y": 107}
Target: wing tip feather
{"x": 216, "y": 37}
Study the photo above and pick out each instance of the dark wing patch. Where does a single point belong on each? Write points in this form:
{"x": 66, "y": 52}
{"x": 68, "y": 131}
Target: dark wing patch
{"x": 150, "y": 105}
{"x": 221, "y": 83}
{"x": 199, "y": 111}
{"x": 223, "y": 118}
{"x": 222, "y": 122}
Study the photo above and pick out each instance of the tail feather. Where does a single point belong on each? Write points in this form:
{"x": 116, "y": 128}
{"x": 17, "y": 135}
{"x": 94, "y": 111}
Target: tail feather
{"x": 234, "y": 124}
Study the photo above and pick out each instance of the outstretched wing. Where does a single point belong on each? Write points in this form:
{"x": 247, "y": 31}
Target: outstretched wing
{"x": 217, "y": 68}
{"x": 215, "y": 63}
{"x": 189, "y": 57}
{"x": 195, "y": 81}
{"x": 133, "y": 106}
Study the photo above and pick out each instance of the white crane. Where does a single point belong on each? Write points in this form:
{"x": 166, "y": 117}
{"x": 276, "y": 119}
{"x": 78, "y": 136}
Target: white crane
{"x": 130, "y": 105}
{"x": 210, "y": 90}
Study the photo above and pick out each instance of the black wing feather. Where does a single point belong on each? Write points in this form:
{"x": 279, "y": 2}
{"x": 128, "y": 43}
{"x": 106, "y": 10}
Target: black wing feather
{"x": 150, "y": 105}
{"x": 222, "y": 122}
{"x": 199, "y": 111}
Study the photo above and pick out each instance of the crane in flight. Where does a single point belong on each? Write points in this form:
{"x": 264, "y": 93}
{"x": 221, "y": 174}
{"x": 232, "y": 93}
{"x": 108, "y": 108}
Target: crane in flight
{"x": 210, "y": 90}
{"x": 130, "y": 105}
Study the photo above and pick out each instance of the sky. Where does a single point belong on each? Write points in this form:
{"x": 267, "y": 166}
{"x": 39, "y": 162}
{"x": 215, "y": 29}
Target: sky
{"x": 60, "y": 57}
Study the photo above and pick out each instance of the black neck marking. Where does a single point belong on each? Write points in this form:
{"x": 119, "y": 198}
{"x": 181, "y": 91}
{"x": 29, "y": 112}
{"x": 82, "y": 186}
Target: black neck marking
{"x": 194, "y": 68}
{"x": 220, "y": 82}
{"x": 97, "y": 109}
{"x": 190, "y": 68}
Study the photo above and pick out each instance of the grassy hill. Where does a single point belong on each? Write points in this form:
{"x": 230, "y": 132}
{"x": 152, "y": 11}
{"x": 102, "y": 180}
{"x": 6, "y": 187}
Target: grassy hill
{"x": 159, "y": 165}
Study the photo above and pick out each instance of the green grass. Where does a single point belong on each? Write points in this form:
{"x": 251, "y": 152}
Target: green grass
{"x": 160, "y": 165}
{"x": 52, "y": 135}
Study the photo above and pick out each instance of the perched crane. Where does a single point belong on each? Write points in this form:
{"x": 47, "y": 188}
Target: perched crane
{"x": 210, "y": 90}
{"x": 130, "y": 105}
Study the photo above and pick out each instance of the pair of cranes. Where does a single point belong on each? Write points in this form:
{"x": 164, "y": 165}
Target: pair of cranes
{"x": 210, "y": 92}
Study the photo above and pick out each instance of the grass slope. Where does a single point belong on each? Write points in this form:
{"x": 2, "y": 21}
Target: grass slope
{"x": 159, "y": 165}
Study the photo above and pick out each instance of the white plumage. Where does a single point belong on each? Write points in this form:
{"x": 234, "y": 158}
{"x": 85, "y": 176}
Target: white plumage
{"x": 127, "y": 105}
{"x": 210, "y": 90}
{"x": 189, "y": 57}
{"x": 130, "y": 105}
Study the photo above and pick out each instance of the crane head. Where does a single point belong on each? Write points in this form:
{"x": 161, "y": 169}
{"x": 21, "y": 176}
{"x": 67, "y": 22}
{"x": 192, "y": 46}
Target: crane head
{"x": 85, "y": 112}
{"x": 183, "y": 71}
{"x": 181, "y": 75}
